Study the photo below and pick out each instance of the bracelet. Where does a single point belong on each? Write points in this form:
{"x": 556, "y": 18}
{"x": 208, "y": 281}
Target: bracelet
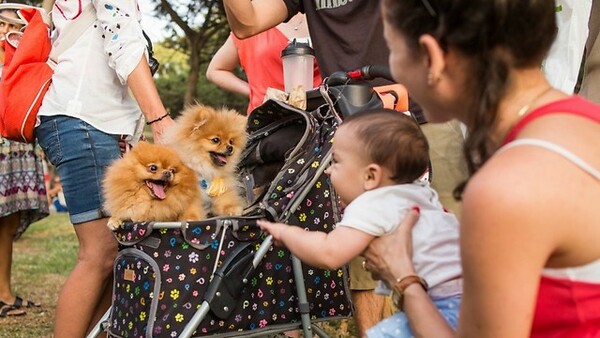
{"x": 158, "y": 119}
{"x": 401, "y": 285}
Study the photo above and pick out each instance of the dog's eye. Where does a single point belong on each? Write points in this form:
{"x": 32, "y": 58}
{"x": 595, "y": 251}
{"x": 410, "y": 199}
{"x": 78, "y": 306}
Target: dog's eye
{"x": 216, "y": 140}
{"x": 153, "y": 168}
{"x": 173, "y": 170}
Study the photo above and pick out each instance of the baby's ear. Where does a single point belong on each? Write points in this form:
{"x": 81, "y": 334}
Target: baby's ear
{"x": 372, "y": 177}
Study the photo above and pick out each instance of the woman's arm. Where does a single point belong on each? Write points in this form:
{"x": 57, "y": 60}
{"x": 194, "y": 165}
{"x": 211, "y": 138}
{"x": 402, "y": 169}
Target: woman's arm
{"x": 250, "y": 17}
{"x": 125, "y": 46}
{"x": 506, "y": 237}
{"x": 221, "y": 67}
{"x": 390, "y": 258}
{"x": 143, "y": 89}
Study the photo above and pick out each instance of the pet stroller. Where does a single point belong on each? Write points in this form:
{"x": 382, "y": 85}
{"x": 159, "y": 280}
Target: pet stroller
{"x": 221, "y": 277}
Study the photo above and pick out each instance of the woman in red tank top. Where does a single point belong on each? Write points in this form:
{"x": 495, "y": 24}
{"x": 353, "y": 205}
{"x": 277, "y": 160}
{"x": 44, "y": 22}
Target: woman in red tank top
{"x": 530, "y": 224}
{"x": 260, "y": 58}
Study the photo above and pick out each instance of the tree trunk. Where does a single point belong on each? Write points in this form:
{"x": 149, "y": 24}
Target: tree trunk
{"x": 194, "y": 74}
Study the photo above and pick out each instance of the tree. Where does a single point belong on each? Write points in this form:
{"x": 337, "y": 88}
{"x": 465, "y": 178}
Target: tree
{"x": 171, "y": 81}
{"x": 204, "y": 26}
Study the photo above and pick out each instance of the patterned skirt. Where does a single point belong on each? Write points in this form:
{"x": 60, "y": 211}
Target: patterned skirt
{"x": 22, "y": 185}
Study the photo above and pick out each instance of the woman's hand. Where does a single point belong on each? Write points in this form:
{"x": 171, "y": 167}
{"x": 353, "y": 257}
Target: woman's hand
{"x": 159, "y": 128}
{"x": 390, "y": 257}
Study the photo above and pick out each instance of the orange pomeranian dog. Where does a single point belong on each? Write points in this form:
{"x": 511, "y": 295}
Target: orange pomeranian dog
{"x": 210, "y": 141}
{"x": 151, "y": 183}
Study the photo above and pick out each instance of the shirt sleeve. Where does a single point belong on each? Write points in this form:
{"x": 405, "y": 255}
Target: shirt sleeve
{"x": 293, "y": 7}
{"x": 375, "y": 212}
{"x": 124, "y": 42}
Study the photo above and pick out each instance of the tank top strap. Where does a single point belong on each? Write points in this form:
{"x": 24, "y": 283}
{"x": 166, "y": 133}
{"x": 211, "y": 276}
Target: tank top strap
{"x": 578, "y": 161}
{"x": 575, "y": 105}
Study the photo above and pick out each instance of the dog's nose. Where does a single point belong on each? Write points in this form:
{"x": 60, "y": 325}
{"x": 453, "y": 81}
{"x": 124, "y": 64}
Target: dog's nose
{"x": 167, "y": 175}
{"x": 230, "y": 149}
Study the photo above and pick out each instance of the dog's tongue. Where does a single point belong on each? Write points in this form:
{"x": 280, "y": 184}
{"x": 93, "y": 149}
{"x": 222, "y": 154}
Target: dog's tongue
{"x": 222, "y": 159}
{"x": 158, "y": 190}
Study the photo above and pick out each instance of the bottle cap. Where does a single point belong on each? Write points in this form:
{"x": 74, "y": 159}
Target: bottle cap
{"x": 297, "y": 48}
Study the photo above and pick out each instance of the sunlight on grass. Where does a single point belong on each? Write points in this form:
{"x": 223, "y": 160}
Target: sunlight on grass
{"x": 50, "y": 246}
{"x": 42, "y": 259}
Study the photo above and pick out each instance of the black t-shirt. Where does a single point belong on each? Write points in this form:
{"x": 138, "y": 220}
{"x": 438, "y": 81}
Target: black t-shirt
{"x": 346, "y": 35}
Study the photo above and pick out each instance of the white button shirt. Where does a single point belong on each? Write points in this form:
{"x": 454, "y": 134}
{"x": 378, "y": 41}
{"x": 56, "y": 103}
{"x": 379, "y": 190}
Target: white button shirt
{"x": 90, "y": 80}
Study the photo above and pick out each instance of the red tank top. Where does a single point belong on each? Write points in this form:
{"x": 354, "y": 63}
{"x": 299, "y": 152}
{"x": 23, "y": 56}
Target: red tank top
{"x": 568, "y": 301}
{"x": 575, "y": 105}
{"x": 260, "y": 57}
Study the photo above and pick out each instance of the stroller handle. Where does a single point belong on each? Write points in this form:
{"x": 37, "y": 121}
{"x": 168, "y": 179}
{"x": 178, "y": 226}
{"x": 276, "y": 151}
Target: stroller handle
{"x": 368, "y": 72}
{"x": 371, "y": 72}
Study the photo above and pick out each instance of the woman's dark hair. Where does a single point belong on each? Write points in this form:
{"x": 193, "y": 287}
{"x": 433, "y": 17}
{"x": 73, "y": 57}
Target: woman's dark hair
{"x": 392, "y": 140}
{"x": 495, "y": 35}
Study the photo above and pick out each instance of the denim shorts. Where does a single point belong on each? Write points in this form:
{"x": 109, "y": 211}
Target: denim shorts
{"x": 397, "y": 326}
{"x": 80, "y": 153}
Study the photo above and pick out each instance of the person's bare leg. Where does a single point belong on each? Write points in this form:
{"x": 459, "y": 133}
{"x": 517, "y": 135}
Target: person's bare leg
{"x": 8, "y": 229}
{"x": 368, "y": 310}
{"x": 85, "y": 289}
{"x": 292, "y": 334}
{"x": 101, "y": 308}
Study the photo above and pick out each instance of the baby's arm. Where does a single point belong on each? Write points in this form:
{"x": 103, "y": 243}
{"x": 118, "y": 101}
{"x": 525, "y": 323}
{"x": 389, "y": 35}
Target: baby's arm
{"x": 319, "y": 249}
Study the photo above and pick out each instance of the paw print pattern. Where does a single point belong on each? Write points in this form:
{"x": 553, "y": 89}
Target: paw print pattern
{"x": 268, "y": 299}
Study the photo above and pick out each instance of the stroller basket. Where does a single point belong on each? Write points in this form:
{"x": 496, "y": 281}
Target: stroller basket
{"x": 160, "y": 282}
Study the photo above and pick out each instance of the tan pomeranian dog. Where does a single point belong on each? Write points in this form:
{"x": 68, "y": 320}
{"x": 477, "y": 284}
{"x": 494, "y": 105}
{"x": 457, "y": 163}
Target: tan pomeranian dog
{"x": 151, "y": 183}
{"x": 211, "y": 141}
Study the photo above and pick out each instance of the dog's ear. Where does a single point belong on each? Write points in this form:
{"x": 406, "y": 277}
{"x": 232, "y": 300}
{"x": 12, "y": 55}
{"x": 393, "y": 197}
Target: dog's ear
{"x": 199, "y": 124}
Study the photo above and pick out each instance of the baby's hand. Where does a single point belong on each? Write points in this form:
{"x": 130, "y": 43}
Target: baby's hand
{"x": 274, "y": 229}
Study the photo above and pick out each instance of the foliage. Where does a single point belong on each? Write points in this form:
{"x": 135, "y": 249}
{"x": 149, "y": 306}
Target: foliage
{"x": 172, "y": 80}
{"x": 204, "y": 27}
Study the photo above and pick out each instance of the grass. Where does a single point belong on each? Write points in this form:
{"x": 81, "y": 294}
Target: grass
{"x": 42, "y": 260}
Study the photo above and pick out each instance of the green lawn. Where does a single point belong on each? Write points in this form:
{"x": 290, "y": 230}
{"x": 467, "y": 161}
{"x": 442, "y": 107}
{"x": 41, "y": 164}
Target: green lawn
{"x": 42, "y": 259}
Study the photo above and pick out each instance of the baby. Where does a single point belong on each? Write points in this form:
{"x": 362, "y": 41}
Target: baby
{"x": 379, "y": 159}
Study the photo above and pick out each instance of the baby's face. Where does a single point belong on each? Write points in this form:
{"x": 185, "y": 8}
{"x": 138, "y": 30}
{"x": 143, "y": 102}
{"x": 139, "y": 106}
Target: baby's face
{"x": 348, "y": 168}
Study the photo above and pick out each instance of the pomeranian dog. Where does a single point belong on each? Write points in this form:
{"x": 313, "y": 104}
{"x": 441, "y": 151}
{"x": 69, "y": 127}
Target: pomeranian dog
{"x": 211, "y": 141}
{"x": 151, "y": 183}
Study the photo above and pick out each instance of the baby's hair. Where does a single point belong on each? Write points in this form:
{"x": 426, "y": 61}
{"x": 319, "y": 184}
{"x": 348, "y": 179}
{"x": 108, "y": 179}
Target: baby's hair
{"x": 393, "y": 140}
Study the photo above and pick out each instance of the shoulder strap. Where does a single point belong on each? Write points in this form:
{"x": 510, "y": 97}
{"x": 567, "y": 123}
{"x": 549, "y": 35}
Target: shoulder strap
{"x": 578, "y": 161}
{"x": 72, "y": 32}
{"x": 575, "y": 105}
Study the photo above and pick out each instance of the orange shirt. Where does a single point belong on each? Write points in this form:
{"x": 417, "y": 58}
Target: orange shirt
{"x": 260, "y": 57}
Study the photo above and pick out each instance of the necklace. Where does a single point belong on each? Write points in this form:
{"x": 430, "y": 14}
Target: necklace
{"x": 525, "y": 109}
